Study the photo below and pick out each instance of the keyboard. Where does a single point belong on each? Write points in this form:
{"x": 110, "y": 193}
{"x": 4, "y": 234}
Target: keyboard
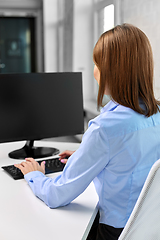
{"x": 51, "y": 166}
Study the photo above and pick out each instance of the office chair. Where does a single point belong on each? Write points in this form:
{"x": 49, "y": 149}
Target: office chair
{"x": 144, "y": 221}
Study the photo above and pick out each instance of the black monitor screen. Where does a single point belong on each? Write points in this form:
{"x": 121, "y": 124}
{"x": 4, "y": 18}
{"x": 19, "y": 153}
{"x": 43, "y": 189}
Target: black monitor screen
{"x": 35, "y": 106}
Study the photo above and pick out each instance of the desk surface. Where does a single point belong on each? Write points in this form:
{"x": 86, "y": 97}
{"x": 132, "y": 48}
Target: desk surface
{"x": 24, "y": 216}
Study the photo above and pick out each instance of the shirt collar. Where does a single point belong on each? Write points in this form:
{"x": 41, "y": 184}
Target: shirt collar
{"x": 110, "y": 106}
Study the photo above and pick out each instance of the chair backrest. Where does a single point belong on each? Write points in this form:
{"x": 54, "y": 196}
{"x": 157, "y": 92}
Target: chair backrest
{"x": 144, "y": 221}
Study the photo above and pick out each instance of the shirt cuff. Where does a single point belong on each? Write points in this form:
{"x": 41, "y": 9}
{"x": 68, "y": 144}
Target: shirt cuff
{"x": 29, "y": 176}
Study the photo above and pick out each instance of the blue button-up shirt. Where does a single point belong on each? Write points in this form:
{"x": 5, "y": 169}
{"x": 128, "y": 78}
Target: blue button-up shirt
{"x": 117, "y": 152}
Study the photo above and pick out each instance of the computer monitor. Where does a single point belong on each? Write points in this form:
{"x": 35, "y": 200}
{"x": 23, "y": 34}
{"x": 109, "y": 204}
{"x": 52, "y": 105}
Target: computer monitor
{"x": 35, "y": 106}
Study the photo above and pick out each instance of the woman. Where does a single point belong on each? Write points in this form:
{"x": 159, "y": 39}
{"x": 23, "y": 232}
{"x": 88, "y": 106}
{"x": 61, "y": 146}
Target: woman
{"x": 120, "y": 145}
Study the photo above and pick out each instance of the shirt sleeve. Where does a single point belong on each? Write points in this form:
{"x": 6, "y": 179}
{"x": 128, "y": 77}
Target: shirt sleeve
{"x": 81, "y": 168}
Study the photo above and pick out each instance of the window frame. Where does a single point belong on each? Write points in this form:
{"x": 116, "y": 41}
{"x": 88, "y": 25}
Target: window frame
{"x": 99, "y": 5}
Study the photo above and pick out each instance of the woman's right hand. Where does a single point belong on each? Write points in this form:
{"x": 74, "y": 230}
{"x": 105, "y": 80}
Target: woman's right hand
{"x": 65, "y": 155}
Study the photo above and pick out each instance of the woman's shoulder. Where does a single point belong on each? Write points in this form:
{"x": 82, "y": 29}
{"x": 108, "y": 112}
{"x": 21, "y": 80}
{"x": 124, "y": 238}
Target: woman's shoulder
{"x": 123, "y": 120}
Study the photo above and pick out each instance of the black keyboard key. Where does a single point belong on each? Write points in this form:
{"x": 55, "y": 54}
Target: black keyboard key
{"x": 51, "y": 166}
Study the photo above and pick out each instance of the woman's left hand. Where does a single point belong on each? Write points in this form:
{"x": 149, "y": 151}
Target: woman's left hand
{"x": 30, "y": 165}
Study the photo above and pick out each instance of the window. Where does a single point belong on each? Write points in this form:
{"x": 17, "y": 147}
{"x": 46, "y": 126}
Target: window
{"x": 104, "y": 19}
{"x": 108, "y": 22}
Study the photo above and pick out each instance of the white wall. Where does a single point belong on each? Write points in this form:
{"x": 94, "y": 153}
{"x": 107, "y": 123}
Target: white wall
{"x": 50, "y": 35}
{"x": 82, "y": 41}
{"x": 83, "y": 44}
{"x": 145, "y": 14}
{"x": 20, "y": 4}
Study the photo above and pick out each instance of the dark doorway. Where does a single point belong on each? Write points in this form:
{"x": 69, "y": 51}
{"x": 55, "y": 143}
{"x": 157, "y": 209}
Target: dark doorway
{"x": 17, "y": 44}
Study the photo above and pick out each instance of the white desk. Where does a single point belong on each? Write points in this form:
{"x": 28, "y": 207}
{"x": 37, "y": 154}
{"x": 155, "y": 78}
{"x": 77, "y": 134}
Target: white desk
{"x": 24, "y": 217}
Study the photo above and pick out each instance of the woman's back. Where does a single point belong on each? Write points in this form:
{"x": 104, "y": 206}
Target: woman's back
{"x": 133, "y": 141}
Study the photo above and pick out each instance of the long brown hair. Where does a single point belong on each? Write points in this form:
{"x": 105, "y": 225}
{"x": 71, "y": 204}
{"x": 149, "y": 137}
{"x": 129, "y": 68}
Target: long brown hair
{"x": 124, "y": 58}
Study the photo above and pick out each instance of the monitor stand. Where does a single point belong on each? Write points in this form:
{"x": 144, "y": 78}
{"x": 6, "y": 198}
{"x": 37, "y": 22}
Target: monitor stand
{"x": 35, "y": 152}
